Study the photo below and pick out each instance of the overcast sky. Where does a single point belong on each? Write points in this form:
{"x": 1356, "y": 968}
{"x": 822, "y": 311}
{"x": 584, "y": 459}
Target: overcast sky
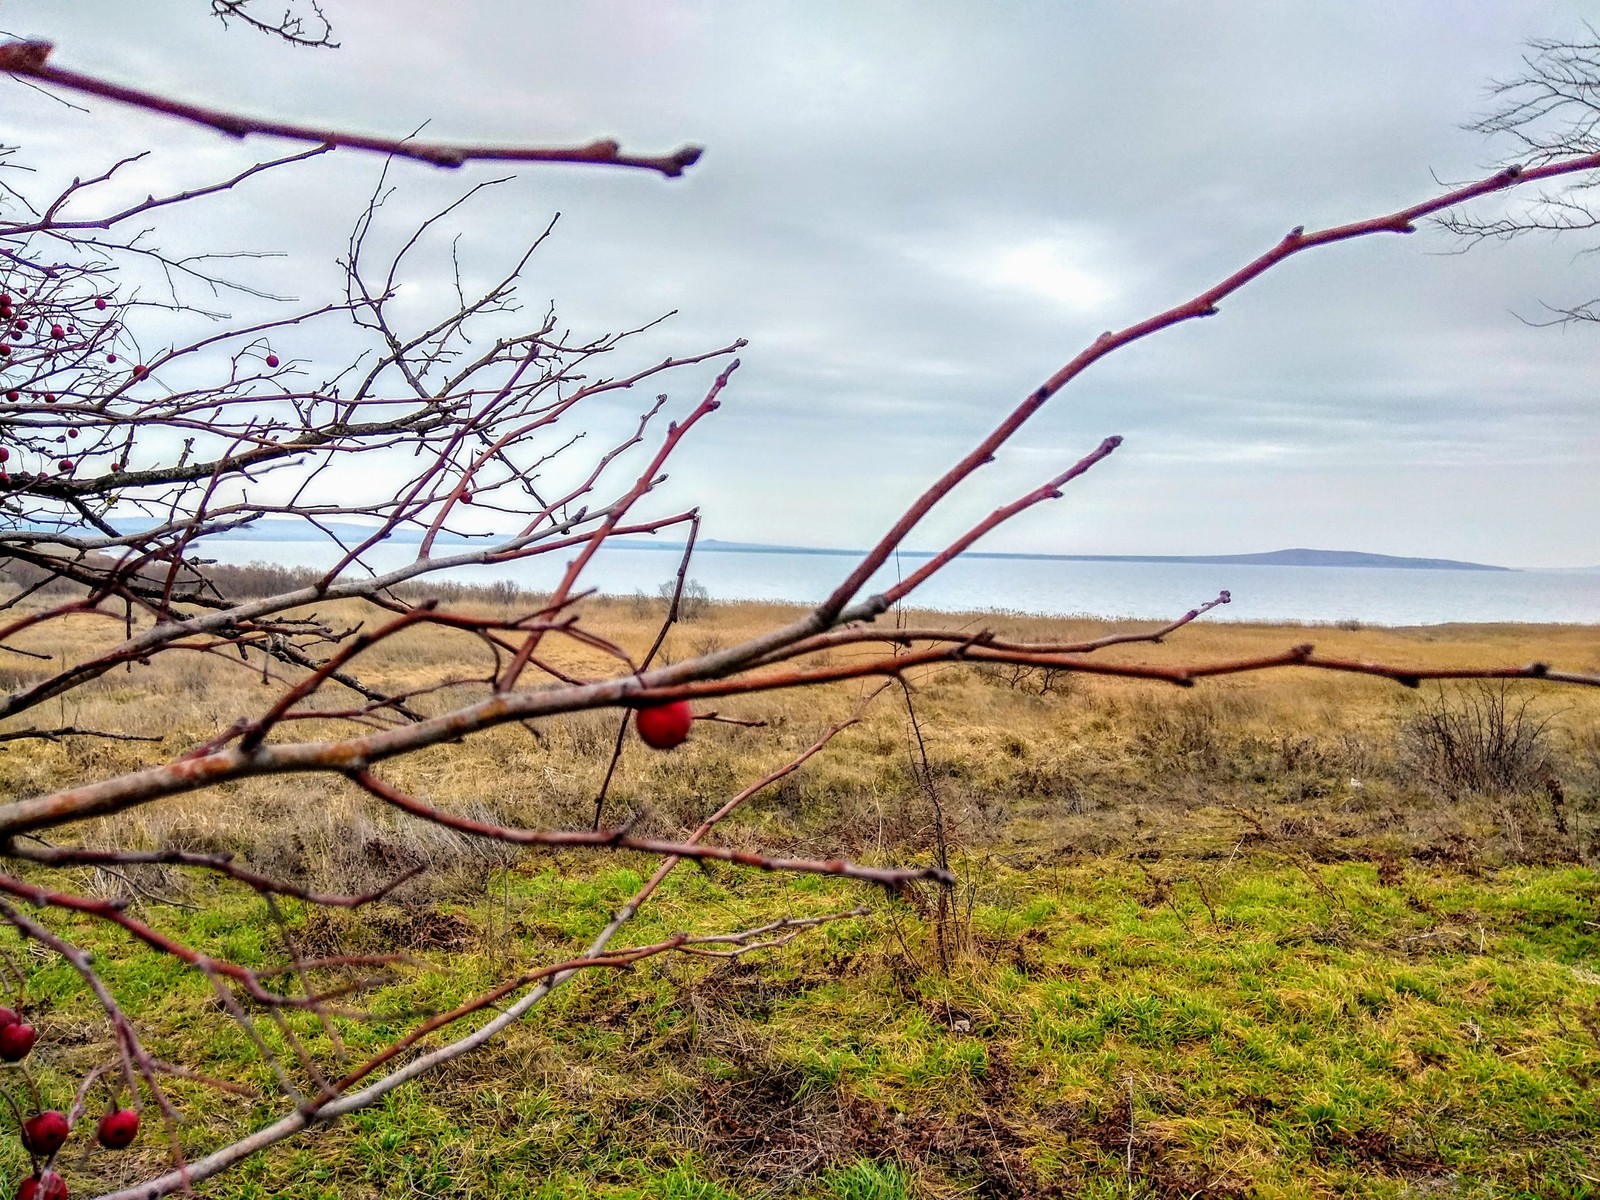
{"x": 917, "y": 211}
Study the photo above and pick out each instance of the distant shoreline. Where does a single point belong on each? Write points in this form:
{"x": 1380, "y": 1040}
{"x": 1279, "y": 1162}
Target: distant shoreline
{"x": 276, "y": 531}
{"x": 1273, "y": 558}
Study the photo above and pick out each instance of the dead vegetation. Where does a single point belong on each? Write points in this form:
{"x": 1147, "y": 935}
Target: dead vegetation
{"x": 1027, "y": 768}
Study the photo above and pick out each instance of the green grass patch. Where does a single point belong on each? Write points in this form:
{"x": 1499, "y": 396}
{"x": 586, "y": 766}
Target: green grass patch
{"x": 1276, "y": 1034}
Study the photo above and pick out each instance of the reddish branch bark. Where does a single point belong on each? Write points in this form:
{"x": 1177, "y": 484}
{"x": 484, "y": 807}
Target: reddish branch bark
{"x": 30, "y": 60}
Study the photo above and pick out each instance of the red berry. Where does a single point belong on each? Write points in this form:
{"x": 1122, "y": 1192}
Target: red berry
{"x": 272, "y": 360}
{"x": 49, "y": 397}
{"x": 466, "y": 497}
{"x": 663, "y": 726}
{"x": 111, "y": 358}
{"x": 72, "y": 433}
{"x": 5, "y": 350}
{"x": 46, "y": 1133}
{"x": 5, "y": 456}
{"x": 140, "y": 371}
{"x": 117, "y": 1129}
{"x": 64, "y": 465}
{"x": 46, "y": 1185}
{"x": 16, "y": 1040}
{"x": 13, "y": 395}
{"x": 58, "y": 332}
{"x": 100, "y": 303}
{"x": 7, "y": 1016}
{"x": 21, "y": 326}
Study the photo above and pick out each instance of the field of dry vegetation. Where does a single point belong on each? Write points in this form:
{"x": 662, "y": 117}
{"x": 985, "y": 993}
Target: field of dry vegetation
{"x": 1292, "y": 934}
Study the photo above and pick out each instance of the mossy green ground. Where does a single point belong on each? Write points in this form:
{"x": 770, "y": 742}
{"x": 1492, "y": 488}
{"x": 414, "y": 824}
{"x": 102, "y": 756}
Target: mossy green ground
{"x": 1256, "y": 1025}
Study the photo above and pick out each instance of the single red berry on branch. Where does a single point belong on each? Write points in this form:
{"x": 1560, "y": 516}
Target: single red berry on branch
{"x": 140, "y": 371}
{"x": 111, "y": 358}
{"x": 663, "y": 726}
{"x": 46, "y": 1185}
{"x": 100, "y": 303}
{"x": 16, "y": 1040}
{"x": 46, "y": 1133}
{"x": 272, "y": 360}
{"x": 64, "y": 465}
{"x": 117, "y": 1129}
{"x": 58, "y": 332}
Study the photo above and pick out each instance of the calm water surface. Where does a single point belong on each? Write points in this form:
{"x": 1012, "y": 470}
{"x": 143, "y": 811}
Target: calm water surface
{"x": 1377, "y": 595}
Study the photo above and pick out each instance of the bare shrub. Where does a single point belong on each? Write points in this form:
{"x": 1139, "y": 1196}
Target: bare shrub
{"x": 693, "y": 602}
{"x": 1477, "y": 739}
{"x": 1029, "y": 680}
{"x": 1189, "y": 734}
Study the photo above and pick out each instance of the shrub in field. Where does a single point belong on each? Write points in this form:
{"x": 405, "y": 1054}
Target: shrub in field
{"x": 1480, "y": 738}
{"x": 690, "y": 597}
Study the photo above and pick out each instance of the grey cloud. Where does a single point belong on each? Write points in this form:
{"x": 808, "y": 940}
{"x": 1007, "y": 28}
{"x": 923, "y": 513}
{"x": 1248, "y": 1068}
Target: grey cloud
{"x": 917, "y": 211}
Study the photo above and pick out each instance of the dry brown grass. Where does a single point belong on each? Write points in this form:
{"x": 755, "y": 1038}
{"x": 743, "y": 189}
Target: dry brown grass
{"x": 1090, "y": 765}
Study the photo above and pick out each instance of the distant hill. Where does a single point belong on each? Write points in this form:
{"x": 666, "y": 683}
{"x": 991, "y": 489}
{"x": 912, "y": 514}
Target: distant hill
{"x": 1299, "y": 557}
{"x": 275, "y": 530}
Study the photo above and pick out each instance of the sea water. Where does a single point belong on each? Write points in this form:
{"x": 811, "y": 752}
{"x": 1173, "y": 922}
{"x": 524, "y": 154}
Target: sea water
{"x": 1051, "y": 587}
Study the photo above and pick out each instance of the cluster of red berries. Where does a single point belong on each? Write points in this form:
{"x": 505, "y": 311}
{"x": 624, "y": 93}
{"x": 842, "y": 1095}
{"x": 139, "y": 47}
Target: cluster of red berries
{"x": 11, "y": 323}
{"x": 14, "y": 324}
{"x": 44, "y": 1133}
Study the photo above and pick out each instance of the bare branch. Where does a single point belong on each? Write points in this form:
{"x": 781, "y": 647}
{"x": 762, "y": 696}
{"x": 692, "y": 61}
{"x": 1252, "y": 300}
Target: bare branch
{"x": 30, "y": 60}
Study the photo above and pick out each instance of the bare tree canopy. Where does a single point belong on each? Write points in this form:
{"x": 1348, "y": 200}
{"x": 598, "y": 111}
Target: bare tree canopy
{"x": 298, "y": 22}
{"x": 1549, "y": 113}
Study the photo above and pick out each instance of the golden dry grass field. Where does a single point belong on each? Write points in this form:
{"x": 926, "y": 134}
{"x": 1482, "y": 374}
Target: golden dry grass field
{"x": 1257, "y": 937}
